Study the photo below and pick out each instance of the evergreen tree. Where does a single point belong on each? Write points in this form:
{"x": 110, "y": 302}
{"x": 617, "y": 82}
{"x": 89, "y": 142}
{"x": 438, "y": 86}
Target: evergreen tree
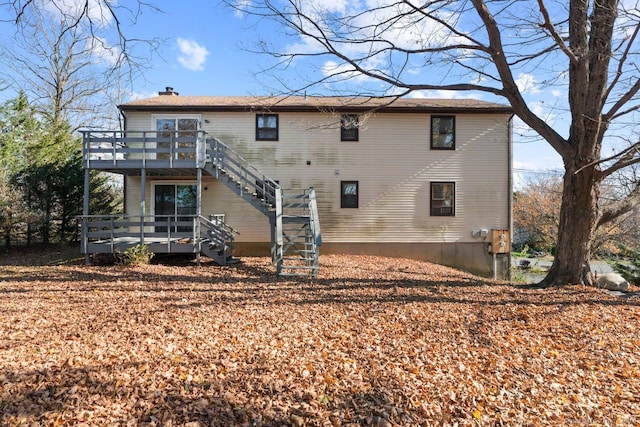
{"x": 42, "y": 184}
{"x": 20, "y": 130}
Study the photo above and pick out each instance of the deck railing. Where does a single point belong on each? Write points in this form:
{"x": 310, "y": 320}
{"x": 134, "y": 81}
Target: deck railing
{"x": 115, "y": 149}
{"x": 162, "y": 233}
{"x": 248, "y": 178}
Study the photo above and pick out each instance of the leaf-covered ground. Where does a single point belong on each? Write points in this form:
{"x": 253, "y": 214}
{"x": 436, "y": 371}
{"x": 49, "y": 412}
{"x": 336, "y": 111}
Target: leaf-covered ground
{"x": 372, "y": 341}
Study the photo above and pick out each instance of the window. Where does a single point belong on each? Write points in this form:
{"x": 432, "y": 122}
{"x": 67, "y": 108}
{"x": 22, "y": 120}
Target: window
{"x": 443, "y": 196}
{"x": 348, "y": 194}
{"x": 266, "y": 127}
{"x": 174, "y": 203}
{"x": 176, "y": 137}
{"x": 349, "y": 127}
{"x": 443, "y": 132}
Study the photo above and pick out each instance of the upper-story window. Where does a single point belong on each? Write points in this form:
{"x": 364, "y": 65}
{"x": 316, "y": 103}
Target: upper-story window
{"x": 443, "y": 196}
{"x": 443, "y": 132}
{"x": 266, "y": 127}
{"x": 349, "y": 127}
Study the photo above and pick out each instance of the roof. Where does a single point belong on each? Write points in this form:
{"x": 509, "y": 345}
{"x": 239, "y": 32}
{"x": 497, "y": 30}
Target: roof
{"x": 174, "y": 102}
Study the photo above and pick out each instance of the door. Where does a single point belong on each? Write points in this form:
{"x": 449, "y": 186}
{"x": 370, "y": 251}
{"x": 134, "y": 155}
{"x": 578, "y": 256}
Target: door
{"x": 175, "y": 202}
{"x": 184, "y": 131}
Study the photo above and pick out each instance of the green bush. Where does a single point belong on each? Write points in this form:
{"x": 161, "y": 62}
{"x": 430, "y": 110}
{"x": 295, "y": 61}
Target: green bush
{"x": 135, "y": 255}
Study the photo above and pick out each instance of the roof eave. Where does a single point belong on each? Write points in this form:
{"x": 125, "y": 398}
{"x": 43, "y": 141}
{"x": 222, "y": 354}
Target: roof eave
{"x": 314, "y": 108}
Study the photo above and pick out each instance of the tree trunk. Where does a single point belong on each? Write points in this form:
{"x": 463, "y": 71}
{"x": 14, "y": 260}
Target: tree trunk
{"x": 579, "y": 214}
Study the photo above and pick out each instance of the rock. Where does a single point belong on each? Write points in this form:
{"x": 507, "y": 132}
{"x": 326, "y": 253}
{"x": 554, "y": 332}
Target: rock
{"x": 612, "y": 282}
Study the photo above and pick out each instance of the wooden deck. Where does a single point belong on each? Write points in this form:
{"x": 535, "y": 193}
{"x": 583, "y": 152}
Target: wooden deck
{"x": 162, "y": 234}
{"x": 120, "y": 150}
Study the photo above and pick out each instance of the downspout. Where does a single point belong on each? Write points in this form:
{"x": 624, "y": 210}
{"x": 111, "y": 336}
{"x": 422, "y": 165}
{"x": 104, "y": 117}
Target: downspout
{"x": 510, "y": 189}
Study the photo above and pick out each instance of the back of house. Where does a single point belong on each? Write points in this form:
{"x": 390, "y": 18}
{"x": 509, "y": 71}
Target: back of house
{"x": 428, "y": 179}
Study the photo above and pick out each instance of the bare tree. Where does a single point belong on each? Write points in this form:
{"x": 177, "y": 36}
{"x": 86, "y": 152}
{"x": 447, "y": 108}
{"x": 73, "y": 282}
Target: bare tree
{"x": 60, "y": 57}
{"x": 587, "y": 49}
{"x": 536, "y": 212}
{"x": 536, "y": 208}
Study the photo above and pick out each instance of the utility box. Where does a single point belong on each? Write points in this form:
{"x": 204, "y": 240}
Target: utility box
{"x": 500, "y": 241}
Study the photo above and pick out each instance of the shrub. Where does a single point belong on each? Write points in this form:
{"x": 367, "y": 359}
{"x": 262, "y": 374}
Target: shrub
{"x": 135, "y": 255}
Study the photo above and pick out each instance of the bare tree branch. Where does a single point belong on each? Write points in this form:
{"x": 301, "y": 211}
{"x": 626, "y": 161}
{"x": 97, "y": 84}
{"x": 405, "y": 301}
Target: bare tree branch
{"x": 493, "y": 47}
{"x": 511, "y": 91}
{"x": 620, "y": 207}
{"x": 548, "y": 25}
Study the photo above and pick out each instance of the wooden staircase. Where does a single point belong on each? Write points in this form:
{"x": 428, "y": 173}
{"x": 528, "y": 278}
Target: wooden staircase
{"x": 295, "y": 228}
{"x": 216, "y": 240}
{"x": 296, "y": 254}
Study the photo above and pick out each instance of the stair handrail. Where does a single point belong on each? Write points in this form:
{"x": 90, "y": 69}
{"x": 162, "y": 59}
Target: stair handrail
{"x": 277, "y": 237}
{"x": 226, "y": 159}
{"x": 225, "y": 232}
{"x": 314, "y": 220}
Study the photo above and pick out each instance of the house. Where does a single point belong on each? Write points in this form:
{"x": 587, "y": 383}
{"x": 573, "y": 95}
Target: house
{"x": 427, "y": 179}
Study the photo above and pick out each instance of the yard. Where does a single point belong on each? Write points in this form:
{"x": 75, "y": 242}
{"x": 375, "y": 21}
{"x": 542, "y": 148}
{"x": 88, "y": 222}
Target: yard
{"x": 372, "y": 341}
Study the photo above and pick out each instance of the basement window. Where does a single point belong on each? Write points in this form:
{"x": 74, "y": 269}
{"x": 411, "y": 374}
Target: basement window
{"x": 443, "y": 196}
{"x": 266, "y": 127}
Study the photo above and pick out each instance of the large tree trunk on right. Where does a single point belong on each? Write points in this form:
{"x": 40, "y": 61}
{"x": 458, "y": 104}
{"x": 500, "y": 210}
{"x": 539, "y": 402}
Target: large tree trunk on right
{"x": 579, "y": 215}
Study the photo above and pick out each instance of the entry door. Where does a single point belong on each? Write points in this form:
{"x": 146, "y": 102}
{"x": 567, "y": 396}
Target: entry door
{"x": 187, "y": 132}
{"x": 178, "y": 201}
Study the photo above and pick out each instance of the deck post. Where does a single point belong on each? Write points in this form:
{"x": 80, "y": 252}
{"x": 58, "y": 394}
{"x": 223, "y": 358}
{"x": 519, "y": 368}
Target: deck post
{"x": 143, "y": 184}
{"x": 85, "y": 211}
{"x": 196, "y": 222}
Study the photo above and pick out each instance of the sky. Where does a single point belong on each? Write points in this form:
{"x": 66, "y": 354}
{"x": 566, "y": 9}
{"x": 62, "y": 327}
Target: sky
{"x": 205, "y": 50}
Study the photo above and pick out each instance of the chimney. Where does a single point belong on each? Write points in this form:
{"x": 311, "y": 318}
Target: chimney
{"x": 169, "y": 91}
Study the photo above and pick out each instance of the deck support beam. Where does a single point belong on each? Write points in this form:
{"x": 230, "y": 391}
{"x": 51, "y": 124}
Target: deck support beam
{"x": 196, "y": 225}
{"x": 85, "y": 214}
{"x": 143, "y": 203}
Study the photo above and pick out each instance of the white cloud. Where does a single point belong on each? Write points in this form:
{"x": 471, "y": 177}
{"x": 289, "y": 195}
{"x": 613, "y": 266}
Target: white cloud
{"x": 405, "y": 28}
{"x": 342, "y": 72}
{"x": 360, "y": 20}
{"x": 444, "y": 94}
{"x": 241, "y": 7}
{"x": 322, "y": 6}
{"x": 192, "y": 55}
{"x": 134, "y": 96}
{"x": 98, "y": 13}
{"x": 527, "y": 83}
{"x": 313, "y": 8}
{"x": 104, "y": 52}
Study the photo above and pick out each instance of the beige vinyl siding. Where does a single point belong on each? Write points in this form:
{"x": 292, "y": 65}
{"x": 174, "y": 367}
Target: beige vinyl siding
{"x": 394, "y": 166}
{"x": 216, "y": 199}
{"x": 392, "y": 162}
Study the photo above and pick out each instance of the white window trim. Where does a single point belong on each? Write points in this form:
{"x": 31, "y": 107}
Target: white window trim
{"x": 154, "y": 117}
